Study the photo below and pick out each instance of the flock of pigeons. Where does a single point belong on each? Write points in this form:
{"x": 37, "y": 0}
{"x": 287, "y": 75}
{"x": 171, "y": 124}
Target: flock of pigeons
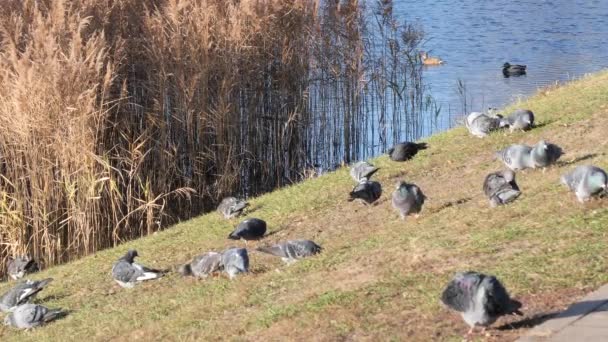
{"x": 481, "y": 299}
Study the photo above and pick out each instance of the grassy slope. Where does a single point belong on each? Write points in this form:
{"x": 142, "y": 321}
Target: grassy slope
{"x": 379, "y": 277}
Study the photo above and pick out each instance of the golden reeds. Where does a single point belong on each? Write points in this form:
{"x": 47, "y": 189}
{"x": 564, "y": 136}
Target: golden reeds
{"x": 113, "y": 113}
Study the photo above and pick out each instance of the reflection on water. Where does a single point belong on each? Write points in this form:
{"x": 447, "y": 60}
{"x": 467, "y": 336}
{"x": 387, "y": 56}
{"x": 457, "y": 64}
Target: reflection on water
{"x": 557, "y": 40}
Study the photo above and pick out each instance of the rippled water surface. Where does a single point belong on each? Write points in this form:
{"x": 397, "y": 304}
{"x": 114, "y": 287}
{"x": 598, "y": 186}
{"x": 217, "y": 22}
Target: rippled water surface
{"x": 557, "y": 40}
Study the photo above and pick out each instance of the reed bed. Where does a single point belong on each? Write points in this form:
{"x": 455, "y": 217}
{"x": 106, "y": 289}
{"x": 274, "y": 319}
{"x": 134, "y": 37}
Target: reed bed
{"x": 118, "y": 118}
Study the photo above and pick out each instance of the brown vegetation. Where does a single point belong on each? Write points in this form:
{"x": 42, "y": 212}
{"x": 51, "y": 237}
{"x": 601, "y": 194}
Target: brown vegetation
{"x": 114, "y": 113}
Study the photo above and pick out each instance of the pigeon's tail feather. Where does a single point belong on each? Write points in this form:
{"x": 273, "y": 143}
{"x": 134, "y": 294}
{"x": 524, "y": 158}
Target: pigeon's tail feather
{"x": 240, "y": 206}
{"x": 44, "y": 282}
{"x": 150, "y": 276}
{"x": 54, "y": 314}
{"x": 421, "y": 146}
{"x": 390, "y": 151}
{"x": 234, "y": 236}
{"x": 515, "y": 306}
{"x": 274, "y": 250}
{"x": 508, "y": 196}
{"x": 185, "y": 270}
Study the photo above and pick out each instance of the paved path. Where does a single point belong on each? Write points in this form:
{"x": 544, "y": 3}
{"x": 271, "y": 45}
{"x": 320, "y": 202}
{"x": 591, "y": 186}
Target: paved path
{"x": 584, "y": 321}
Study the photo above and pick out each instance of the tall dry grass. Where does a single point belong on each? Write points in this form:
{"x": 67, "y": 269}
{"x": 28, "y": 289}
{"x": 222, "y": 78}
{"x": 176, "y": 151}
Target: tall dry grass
{"x": 120, "y": 117}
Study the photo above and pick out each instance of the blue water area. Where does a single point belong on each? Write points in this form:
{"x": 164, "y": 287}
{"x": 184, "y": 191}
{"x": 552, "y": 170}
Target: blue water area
{"x": 557, "y": 40}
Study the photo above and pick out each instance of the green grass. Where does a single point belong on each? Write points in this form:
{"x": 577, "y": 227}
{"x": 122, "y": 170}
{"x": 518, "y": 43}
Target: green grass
{"x": 379, "y": 278}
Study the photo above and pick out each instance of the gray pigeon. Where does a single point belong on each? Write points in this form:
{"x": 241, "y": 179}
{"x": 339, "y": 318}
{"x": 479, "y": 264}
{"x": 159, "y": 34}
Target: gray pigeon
{"x": 18, "y": 267}
{"x": 408, "y": 199}
{"x": 480, "y": 125}
{"x": 202, "y": 265}
{"x": 28, "y": 316}
{"x": 516, "y": 157}
{"x": 249, "y": 229}
{"x": 521, "y": 119}
{"x": 366, "y": 191}
{"x": 500, "y": 187}
{"x": 235, "y": 261}
{"x": 362, "y": 171}
{"x": 292, "y": 250}
{"x": 405, "y": 150}
{"x": 586, "y": 181}
{"x": 480, "y": 299}
{"x": 127, "y": 273}
{"x": 232, "y": 207}
{"x": 22, "y": 293}
{"x": 544, "y": 154}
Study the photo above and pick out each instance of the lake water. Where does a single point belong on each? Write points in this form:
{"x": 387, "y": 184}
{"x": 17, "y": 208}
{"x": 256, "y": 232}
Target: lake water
{"x": 557, "y": 40}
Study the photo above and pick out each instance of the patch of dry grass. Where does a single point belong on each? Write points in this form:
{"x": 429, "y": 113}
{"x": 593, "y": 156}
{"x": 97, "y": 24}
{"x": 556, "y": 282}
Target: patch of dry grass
{"x": 379, "y": 278}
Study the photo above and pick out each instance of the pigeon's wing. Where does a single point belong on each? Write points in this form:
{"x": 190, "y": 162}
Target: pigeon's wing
{"x": 125, "y": 272}
{"x": 209, "y": 263}
{"x": 304, "y": 248}
{"x": 460, "y": 291}
{"x": 493, "y": 183}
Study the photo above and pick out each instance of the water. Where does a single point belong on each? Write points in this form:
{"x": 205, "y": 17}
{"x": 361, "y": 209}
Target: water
{"x": 557, "y": 40}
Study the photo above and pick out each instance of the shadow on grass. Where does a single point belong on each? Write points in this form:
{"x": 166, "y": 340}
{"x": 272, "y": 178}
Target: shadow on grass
{"x": 450, "y": 204}
{"x": 576, "y": 160}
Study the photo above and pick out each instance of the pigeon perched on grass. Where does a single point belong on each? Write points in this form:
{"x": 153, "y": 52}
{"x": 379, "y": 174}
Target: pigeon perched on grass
{"x": 292, "y": 250}
{"x": 519, "y": 157}
{"x": 362, "y": 171}
{"x": 405, "y": 150}
{"x": 500, "y": 187}
{"x": 235, "y": 261}
{"x": 545, "y": 154}
{"x": 408, "y": 199}
{"x": 29, "y": 316}
{"x": 202, "y": 265}
{"x": 232, "y": 207}
{"x": 18, "y": 267}
{"x": 128, "y": 273}
{"x": 250, "y": 229}
{"x": 521, "y": 119}
{"x": 22, "y": 293}
{"x": 586, "y": 181}
{"x": 366, "y": 191}
{"x": 480, "y": 125}
{"x": 481, "y": 299}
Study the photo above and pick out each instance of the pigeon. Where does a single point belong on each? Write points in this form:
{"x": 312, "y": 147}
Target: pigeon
{"x": 500, "y": 187}
{"x": 586, "y": 181}
{"x": 362, "y": 171}
{"x": 202, "y": 265}
{"x": 28, "y": 316}
{"x": 480, "y": 125}
{"x": 18, "y": 267}
{"x": 408, "y": 199}
{"x": 366, "y": 191}
{"x": 544, "y": 154}
{"x": 128, "y": 273}
{"x": 292, "y": 250}
{"x": 516, "y": 157}
{"x": 22, "y": 293}
{"x": 521, "y": 119}
{"x": 250, "y": 229}
{"x": 480, "y": 299}
{"x": 235, "y": 261}
{"x": 232, "y": 207}
{"x": 405, "y": 150}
